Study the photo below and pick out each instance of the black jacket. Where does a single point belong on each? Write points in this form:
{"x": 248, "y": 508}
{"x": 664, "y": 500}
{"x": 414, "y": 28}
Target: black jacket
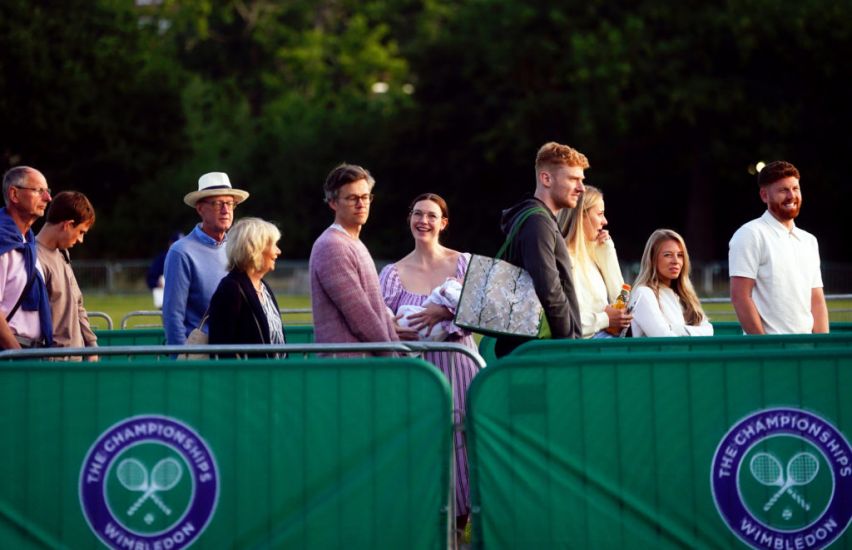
{"x": 540, "y": 248}
{"x": 237, "y": 317}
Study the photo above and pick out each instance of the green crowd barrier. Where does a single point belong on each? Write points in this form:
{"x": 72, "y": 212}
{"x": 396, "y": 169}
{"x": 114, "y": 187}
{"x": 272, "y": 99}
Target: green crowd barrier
{"x": 721, "y": 329}
{"x": 486, "y": 349}
{"x": 663, "y": 450}
{"x": 131, "y": 337}
{"x": 685, "y": 344}
{"x": 725, "y": 328}
{"x": 296, "y": 334}
{"x": 327, "y": 453}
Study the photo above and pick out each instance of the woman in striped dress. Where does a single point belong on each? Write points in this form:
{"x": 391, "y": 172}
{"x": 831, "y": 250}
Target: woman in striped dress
{"x": 409, "y": 282}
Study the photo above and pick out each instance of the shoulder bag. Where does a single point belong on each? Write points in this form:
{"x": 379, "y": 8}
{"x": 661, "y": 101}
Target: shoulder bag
{"x": 498, "y": 298}
{"x": 197, "y": 338}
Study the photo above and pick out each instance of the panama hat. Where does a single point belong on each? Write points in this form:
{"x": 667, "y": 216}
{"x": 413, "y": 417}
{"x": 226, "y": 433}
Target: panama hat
{"x": 214, "y": 184}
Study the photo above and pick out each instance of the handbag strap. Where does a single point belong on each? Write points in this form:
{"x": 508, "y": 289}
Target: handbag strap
{"x": 516, "y": 227}
{"x": 26, "y": 290}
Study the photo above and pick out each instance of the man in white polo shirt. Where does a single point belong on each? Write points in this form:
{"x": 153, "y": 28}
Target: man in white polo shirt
{"x": 776, "y": 285}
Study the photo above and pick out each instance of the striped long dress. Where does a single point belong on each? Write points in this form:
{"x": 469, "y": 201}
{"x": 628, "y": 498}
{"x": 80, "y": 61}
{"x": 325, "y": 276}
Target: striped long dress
{"x": 396, "y": 295}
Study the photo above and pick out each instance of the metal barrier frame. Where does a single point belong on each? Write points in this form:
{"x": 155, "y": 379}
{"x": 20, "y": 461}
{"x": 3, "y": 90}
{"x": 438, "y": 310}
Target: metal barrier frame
{"x": 159, "y": 313}
{"x": 101, "y": 315}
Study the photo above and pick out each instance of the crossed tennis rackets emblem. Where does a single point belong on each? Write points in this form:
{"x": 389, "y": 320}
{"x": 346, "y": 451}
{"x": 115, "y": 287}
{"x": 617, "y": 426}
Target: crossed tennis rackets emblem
{"x": 802, "y": 468}
{"x": 135, "y": 477}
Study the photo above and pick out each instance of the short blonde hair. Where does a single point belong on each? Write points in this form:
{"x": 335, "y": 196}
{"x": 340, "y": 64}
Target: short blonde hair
{"x": 247, "y": 240}
{"x": 552, "y": 154}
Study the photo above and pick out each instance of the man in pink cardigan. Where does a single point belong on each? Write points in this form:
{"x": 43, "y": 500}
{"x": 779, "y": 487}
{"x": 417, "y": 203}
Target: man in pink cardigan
{"x": 345, "y": 296}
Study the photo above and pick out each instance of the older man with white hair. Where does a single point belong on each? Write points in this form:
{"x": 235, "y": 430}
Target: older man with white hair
{"x": 196, "y": 263}
{"x": 25, "y": 320}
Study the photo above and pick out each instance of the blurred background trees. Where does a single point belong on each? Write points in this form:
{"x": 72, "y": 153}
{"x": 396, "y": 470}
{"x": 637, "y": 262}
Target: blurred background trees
{"x": 672, "y": 102}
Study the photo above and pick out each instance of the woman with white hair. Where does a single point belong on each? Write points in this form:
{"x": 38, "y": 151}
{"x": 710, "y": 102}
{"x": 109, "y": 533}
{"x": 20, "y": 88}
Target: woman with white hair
{"x": 663, "y": 299}
{"x": 597, "y": 275}
{"x": 243, "y": 309}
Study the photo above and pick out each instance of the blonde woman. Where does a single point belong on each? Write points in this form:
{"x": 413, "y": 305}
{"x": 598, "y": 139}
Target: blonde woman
{"x": 243, "y": 309}
{"x": 597, "y": 276}
{"x": 663, "y": 299}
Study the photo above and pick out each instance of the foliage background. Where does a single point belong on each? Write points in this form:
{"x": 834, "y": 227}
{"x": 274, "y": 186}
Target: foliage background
{"x": 672, "y": 102}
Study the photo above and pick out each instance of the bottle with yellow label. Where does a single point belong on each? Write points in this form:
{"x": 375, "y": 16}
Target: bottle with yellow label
{"x": 620, "y": 303}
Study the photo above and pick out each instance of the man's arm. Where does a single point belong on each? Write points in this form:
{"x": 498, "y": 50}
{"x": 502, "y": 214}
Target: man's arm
{"x": 7, "y": 339}
{"x": 747, "y": 314}
{"x": 175, "y": 295}
{"x": 90, "y": 339}
{"x": 536, "y": 244}
{"x": 819, "y": 310}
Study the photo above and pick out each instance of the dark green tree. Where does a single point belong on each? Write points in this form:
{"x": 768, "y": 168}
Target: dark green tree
{"x": 91, "y": 100}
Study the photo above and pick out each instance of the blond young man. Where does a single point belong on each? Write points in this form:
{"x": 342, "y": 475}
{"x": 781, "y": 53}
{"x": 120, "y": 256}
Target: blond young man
{"x": 539, "y": 246}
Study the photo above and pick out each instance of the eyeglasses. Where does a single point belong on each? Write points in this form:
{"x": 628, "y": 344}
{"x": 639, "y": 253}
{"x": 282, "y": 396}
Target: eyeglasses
{"x": 36, "y": 190}
{"x": 229, "y": 205}
{"x": 353, "y": 199}
{"x": 431, "y": 216}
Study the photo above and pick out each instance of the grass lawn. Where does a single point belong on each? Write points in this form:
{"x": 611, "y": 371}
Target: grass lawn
{"x": 838, "y": 311}
{"x": 119, "y": 305}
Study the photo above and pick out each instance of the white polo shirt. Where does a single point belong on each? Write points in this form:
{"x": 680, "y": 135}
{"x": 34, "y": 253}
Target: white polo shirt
{"x": 785, "y": 267}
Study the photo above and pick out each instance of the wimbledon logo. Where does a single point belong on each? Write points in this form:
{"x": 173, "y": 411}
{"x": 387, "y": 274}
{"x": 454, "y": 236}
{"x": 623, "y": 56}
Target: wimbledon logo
{"x": 149, "y": 482}
{"x": 782, "y": 479}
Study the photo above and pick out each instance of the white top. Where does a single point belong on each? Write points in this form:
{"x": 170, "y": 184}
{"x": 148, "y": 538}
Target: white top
{"x": 598, "y": 288}
{"x": 663, "y": 317}
{"x": 13, "y": 279}
{"x": 785, "y": 266}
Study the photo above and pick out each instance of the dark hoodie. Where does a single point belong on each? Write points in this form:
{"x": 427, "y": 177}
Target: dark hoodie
{"x": 540, "y": 248}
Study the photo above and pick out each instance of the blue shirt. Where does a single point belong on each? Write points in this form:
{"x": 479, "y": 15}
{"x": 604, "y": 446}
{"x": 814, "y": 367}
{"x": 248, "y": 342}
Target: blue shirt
{"x": 194, "y": 266}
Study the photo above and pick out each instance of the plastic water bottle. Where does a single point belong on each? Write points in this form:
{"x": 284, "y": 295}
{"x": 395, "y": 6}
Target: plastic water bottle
{"x": 620, "y": 303}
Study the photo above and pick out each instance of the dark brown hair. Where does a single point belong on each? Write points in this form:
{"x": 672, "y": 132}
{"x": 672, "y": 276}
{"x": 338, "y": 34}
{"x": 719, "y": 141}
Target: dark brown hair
{"x": 343, "y": 175}
{"x": 442, "y": 204}
{"x": 70, "y": 205}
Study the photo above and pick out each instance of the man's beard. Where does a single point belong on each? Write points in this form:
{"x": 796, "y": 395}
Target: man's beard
{"x": 785, "y": 213}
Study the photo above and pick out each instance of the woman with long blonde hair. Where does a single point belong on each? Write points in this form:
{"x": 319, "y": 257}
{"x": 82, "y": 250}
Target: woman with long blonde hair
{"x": 664, "y": 301}
{"x": 597, "y": 275}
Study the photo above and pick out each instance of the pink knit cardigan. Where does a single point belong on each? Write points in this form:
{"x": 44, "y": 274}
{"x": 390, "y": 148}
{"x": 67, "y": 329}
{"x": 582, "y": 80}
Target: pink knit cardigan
{"x": 345, "y": 296}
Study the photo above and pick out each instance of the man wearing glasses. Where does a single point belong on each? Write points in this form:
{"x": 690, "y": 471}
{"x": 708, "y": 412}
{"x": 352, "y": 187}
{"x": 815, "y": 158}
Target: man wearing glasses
{"x": 25, "y": 320}
{"x": 196, "y": 263}
{"x": 345, "y": 295}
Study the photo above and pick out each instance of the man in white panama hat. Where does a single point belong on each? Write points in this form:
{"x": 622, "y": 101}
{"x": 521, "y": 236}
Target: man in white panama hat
{"x": 196, "y": 263}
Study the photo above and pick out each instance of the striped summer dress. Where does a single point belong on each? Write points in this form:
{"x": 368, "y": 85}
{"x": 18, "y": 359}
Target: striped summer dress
{"x": 395, "y": 295}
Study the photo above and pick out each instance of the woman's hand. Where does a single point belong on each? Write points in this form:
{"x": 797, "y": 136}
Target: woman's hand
{"x": 431, "y": 315}
{"x": 405, "y": 334}
{"x": 618, "y": 318}
{"x": 602, "y": 236}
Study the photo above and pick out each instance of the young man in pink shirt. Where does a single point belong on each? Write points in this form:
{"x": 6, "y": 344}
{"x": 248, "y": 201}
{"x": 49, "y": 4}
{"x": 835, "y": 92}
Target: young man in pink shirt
{"x": 345, "y": 295}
